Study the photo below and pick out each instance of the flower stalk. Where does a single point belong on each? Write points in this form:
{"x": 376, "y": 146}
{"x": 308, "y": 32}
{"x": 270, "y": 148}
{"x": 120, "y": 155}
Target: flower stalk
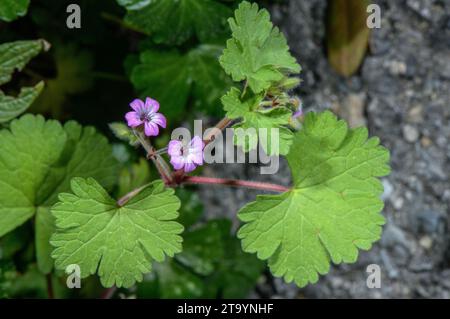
{"x": 158, "y": 161}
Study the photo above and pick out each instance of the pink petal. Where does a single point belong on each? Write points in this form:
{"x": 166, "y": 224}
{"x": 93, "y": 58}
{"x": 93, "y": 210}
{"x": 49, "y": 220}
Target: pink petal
{"x": 137, "y": 105}
{"x": 197, "y": 158}
{"x": 159, "y": 119}
{"x": 152, "y": 104}
{"x": 298, "y": 113}
{"x": 133, "y": 119}
{"x": 174, "y": 148}
{"x": 197, "y": 143}
{"x": 189, "y": 167}
{"x": 177, "y": 162}
{"x": 151, "y": 129}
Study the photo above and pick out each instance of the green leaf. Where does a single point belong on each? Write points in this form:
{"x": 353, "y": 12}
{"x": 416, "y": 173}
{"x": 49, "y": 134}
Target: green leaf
{"x": 27, "y": 151}
{"x": 257, "y": 52}
{"x": 37, "y": 160}
{"x": 123, "y": 133}
{"x": 174, "y": 22}
{"x": 73, "y": 76}
{"x": 15, "y": 55}
{"x": 148, "y": 76}
{"x": 133, "y": 4}
{"x": 333, "y": 208}
{"x": 210, "y": 82}
{"x": 258, "y": 123}
{"x": 171, "y": 78}
{"x": 347, "y": 35}
{"x": 121, "y": 242}
{"x": 11, "y": 107}
{"x": 12, "y": 9}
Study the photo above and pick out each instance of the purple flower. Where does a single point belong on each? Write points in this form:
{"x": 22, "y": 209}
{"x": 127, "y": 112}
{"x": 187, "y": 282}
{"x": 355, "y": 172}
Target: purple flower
{"x": 299, "y": 111}
{"x": 186, "y": 155}
{"x": 145, "y": 114}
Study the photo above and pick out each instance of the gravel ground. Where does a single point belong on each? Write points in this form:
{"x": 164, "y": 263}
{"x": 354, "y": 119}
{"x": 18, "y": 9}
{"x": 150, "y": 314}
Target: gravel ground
{"x": 402, "y": 93}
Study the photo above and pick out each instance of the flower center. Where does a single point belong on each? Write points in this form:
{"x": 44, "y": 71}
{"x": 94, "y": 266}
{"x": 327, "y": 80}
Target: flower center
{"x": 184, "y": 150}
{"x": 145, "y": 115}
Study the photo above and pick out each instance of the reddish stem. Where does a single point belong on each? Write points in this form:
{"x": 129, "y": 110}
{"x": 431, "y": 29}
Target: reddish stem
{"x": 49, "y": 281}
{"x": 216, "y": 130}
{"x": 234, "y": 183}
{"x": 108, "y": 293}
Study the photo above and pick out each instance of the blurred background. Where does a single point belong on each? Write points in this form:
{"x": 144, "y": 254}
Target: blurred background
{"x": 394, "y": 79}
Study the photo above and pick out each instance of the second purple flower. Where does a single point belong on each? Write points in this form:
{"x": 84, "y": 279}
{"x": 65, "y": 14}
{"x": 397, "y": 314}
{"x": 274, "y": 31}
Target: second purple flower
{"x": 186, "y": 155}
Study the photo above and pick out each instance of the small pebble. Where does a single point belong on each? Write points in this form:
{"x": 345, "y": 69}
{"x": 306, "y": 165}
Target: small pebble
{"x": 397, "y": 67}
{"x": 425, "y": 141}
{"x": 426, "y": 242}
{"x": 398, "y": 203}
{"x": 415, "y": 114}
{"x": 410, "y": 133}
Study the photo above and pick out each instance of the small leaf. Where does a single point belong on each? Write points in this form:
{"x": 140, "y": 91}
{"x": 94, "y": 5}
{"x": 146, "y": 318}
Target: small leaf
{"x": 123, "y": 133}
{"x": 174, "y": 22}
{"x": 257, "y": 52}
{"x": 258, "y": 123}
{"x": 119, "y": 243}
{"x": 347, "y": 35}
{"x": 333, "y": 208}
{"x": 11, "y": 107}
{"x": 12, "y": 9}
{"x": 15, "y": 55}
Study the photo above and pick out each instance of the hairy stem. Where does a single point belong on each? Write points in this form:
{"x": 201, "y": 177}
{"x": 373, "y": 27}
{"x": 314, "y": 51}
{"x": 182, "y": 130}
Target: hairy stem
{"x": 244, "y": 90}
{"x": 234, "y": 183}
{"x": 124, "y": 199}
{"x": 162, "y": 150}
{"x": 160, "y": 163}
{"x": 216, "y": 130}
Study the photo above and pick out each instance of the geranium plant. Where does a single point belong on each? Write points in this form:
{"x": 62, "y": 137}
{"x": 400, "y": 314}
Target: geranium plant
{"x": 64, "y": 176}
